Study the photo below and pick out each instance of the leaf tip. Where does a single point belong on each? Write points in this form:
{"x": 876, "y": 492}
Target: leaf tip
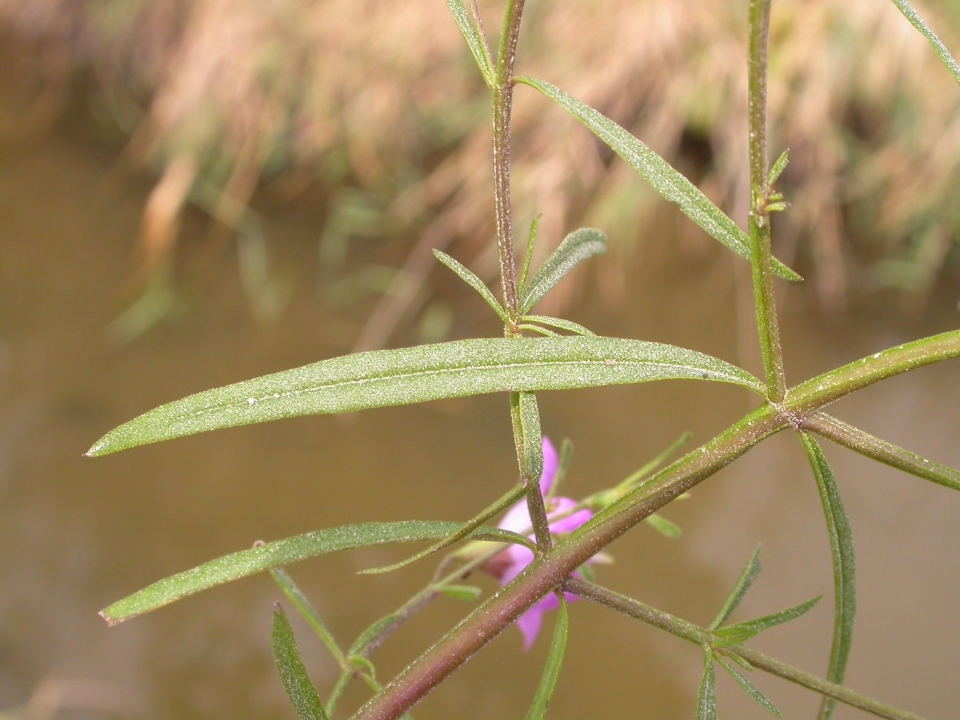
{"x": 111, "y": 620}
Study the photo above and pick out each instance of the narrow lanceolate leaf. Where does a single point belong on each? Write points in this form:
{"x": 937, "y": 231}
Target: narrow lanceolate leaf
{"x": 551, "y": 670}
{"x": 873, "y": 447}
{"x": 740, "y": 588}
{"x": 945, "y": 57}
{"x": 778, "y": 167}
{"x": 529, "y": 436}
{"x": 707, "y": 695}
{"x": 292, "y": 673}
{"x": 575, "y": 248}
{"x": 501, "y": 504}
{"x": 743, "y": 631}
{"x": 471, "y": 34}
{"x": 750, "y": 688}
{"x": 283, "y": 552}
{"x": 473, "y": 281}
{"x": 528, "y": 256}
{"x": 466, "y": 593}
{"x": 426, "y": 372}
{"x": 306, "y": 610}
{"x": 669, "y": 183}
{"x": 663, "y": 526}
{"x": 560, "y": 323}
{"x": 844, "y": 571}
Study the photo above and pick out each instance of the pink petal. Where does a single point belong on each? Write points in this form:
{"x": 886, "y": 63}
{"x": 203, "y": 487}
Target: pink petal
{"x": 517, "y": 518}
{"x": 550, "y": 465}
{"x": 570, "y": 523}
{"x": 529, "y": 623}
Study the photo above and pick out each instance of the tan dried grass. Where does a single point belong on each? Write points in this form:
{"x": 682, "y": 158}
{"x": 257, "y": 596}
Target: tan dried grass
{"x": 384, "y": 97}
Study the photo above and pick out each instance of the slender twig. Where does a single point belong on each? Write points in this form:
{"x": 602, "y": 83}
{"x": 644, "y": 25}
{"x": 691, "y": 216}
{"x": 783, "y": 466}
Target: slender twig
{"x": 692, "y": 633}
{"x": 759, "y": 221}
{"x": 502, "y": 108}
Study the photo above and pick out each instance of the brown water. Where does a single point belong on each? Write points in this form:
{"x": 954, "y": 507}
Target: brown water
{"x": 77, "y": 533}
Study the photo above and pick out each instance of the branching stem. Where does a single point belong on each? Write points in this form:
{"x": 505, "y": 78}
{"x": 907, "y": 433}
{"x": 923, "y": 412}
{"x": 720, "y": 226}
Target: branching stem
{"x": 699, "y": 636}
{"x": 546, "y": 573}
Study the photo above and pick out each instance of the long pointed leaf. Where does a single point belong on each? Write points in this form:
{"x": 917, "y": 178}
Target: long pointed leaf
{"x": 945, "y": 57}
{"x": 560, "y": 323}
{"x": 528, "y": 255}
{"x": 844, "y": 566}
{"x": 575, "y": 248}
{"x": 495, "y": 508}
{"x": 707, "y": 695}
{"x": 283, "y": 552}
{"x": 426, "y": 372}
{"x": 663, "y": 526}
{"x": 658, "y": 172}
{"x": 873, "y": 447}
{"x": 299, "y": 600}
{"x": 551, "y": 670}
{"x": 292, "y": 673}
{"x": 474, "y": 41}
{"x": 743, "y": 631}
{"x": 750, "y": 688}
{"x": 740, "y": 589}
{"x": 470, "y": 278}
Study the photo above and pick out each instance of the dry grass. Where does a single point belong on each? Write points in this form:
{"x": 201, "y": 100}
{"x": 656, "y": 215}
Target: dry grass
{"x": 218, "y": 95}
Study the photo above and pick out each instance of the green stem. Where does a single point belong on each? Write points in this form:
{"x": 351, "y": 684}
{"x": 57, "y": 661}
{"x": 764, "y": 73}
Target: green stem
{"x": 698, "y": 636}
{"x": 759, "y": 221}
{"x": 866, "y": 444}
{"x": 502, "y": 108}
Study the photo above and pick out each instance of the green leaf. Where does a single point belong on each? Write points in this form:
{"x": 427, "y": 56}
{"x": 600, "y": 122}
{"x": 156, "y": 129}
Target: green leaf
{"x": 649, "y": 467}
{"x": 306, "y": 610}
{"x": 873, "y": 447}
{"x": 529, "y": 436}
{"x": 546, "y": 332}
{"x": 655, "y": 170}
{"x": 663, "y": 526}
{"x": 473, "y": 281}
{"x": 560, "y": 323}
{"x": 575, "y": 248}
{"x": 707, "y": 696}
{"x": 945, "y": 57}
{"x": 551, "y": 670}
{"x": 283, "y": 552}
{"x": 778, "y": 167}
{"x": 749, "y": 688}
{"x": 292, "y": 673}
{"x": 426, "y": 372}
{"x": 743, "y": 631}
{"x": 466, "y": 593}
{"x": 528, "y": 256}
{"x": 740, "y": 589}
{"x": 373, "y": 631}
{"x": 474, "y": 40}
{"x": 498, "y": 506}
{"x": 844, "y": 566}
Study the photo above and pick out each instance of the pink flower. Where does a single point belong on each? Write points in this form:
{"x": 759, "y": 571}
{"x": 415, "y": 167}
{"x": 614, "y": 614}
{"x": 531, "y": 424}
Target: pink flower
{"x": 511, "y": 562}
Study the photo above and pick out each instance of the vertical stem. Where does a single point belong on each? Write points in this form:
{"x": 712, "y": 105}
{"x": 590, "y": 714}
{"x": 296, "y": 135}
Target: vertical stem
{"x": 502, "y": 107}
{"x": 759, "y": 221}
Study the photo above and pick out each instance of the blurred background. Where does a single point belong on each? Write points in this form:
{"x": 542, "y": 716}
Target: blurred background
{"x": 195, "y": 192}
